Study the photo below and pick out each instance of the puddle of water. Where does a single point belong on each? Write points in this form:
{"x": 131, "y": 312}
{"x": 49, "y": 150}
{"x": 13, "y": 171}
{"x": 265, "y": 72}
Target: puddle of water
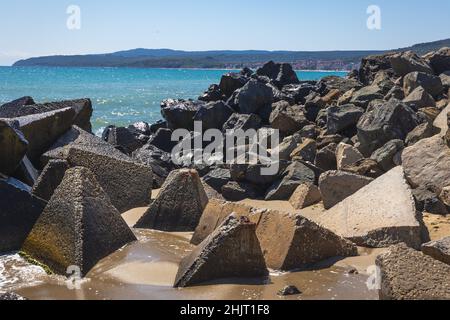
{"x": 146, "y": 270}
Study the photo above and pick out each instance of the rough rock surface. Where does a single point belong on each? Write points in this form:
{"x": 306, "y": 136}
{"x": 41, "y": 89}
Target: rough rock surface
{"x": 427, "y": 163}
{"x": 50, "y": 179}
{"x": 407, "y": 62}
{"x": 19, "y": 210}
{"x": 407, "y": 274}
{"x": 336, "y": 186}
{"x": 304, "y": 196}
{"x": 379, "y": 215}
{"x": 231, "y": 251}
{"x": 347, "y": 155}
{"x": 13, "y": 146}
{"x": 179, "y": 206}
{"x": 78, "y": 227}
{"x": 439, "y": 250}
{"x": 288, "y": 241}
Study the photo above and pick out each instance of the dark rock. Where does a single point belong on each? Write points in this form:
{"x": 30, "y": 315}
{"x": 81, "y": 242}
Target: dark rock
{"x": 242, "y": 122}
{"x": 309, "y": 131}
{"x": 179, "y": 206}
{"x": 49, "y": 126}
{"x": 289, "y": 291}
{"x": 143, "y": 127}
{"x": 343, "y": 117}
{"x": 254, "y": 174}
{"x": 179, "y": 114}
{"x": 279, "y": 74}
{"x": 336, "y": 186}
{"x": 422, "y": 131}
{"x": 231, "y": 82}
{"x": 385, "y": 155}
{"x": 218, "y": 178}
{"x": 298, "y": 92}
{"x": 440, "y": 60}
{"x": 287, "y": 119}
{"x": 213, "y": 115}
{"x": 50, "y": 179}
{"x": 419, "y": 98}
{"x": 82, "y": 110}
{"x": 431, "y": 83}
{"x": 160, "y": 162}
{"x": 371, "y": 65}
{"x": 305, "y": 151}
{"x": 407, "y": 274}
{"x": 78, "y": 227}
{"x": 439, "y": 250}
{"x": 334, "y": 82}
{"x": 255, "y": 97}
{"x": 296, "y": 174}
{"x": 162, "y": 140}
{"x": 123, "y": 139}
{"x": 10, "y": 296}
{"x": 26, "y": 172}
{"x": 9, "y": 109}
{"x": 365, "y": 95}
{"x": 212, "y": 94}
{"x": 232, "y": 251}
{"x": 428, "y": 201}
{"x": 365, "y": 167}
{"x": 19, "y": 212}
{"x": 13, "y": 146}
{"x": 395, "y": 93}
{"x": 407, "y": 62}
{"x": 237, "y": 191}
{"x": 326, "y": 157}
{"x": 393, "y": 120}
{"x": 158, "y": 125}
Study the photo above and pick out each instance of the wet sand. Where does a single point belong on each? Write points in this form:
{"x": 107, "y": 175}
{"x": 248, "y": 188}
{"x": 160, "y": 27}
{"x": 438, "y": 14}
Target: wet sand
{"x": 146, "y": 270}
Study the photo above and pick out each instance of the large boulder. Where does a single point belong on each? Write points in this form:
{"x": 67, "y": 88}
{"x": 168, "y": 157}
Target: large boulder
{"x": 19, "y": 210}
{"x": 365, "y": 95}
{"x": 336, "y": 186}
{"x": 179, "y": 205}
{"x": 288, "y": 241}
{"x": 422, "y": 131}
{"x": 162, "y": 140}
{"x": 326, "y": 157}
{"x": 335, "y": 82}
{"x": 213, "y": 115}
{"x": 439, "y": 250}
{"x": 231, "y": 251}
{"x": 427, "y": 163}
{"x": 347, "y": 155}
{"x": 419, "y": 98}
{"x": 82, "y": 110}
{"x": 407, "y": 62}
{"x": 340, "y": 118}
{"x": 304, "y": 196}
{"x": 392, "y": 120}
{"x": 179, "y": 114}
{"x": 441, "y": 122}
{"x": 237, "y": 191}
{"x": 371, "y": 65}
{"x": 255, "y": 97}
{"x": 217, "y": 178}
{"x": 13, "y": 146}
{"x": 280, "y": 74}
{"x": 242, "y": 122}
{"x": 231, "y": 82}
{"x": 407, "y": 274}
{"x": 440, "y": 60}
{"x": 125, "y": 139}
{"x": 385, "y": 155}
{"x": 378, "y": 215}
{"x": 42, "y": 130}
{"x": 286, "y": 118}
{"x": 78, "y": 227}
{"x": 431, "y": 83}
{"x": 305, "y": 151}
{"x": 296, "y": 174}
{"x": 50, "y": 179}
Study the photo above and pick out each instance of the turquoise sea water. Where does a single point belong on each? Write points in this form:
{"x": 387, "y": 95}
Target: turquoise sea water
{"x": 120, "y": 96}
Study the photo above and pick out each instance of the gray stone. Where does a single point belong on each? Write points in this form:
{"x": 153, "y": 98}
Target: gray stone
{"x": 431, "y": 83}
{"x": 78, "y": 227}
{"x": 407, "y": 274}
{"x": 407, "y": 62}
{"x": 255, "y": 97}
{"x": 326, "y": 157}
{"x": 286, "y": 118}
{"x": 50, "y": 179}
{"x": 385, "y": 155}
{"x": 336, "y": 186}
{"x": 440, "y": 60}
{"x": 343, "y": 117}
{"x": 179, "y": 205}
{"x": 231, "y": 82}
{"x": 237, "y": 191}
{"x": 378, "y": 215}
{"x": 217, "y": 178}
{"x": 242, "y": 122}
{"x": 439, "y": 250}
{"x": 232, "y": 251}
{"x": 305, "y": 151}
{"x": 179, "y": 114}
{"x": 347, "y": 155}
{"x": 13, "y": 146}
{"x": 213, "y": 115}
{"x": 19, "y": 212}
{"x": 363, "y": 96}
{"x": 419, "y": 98}
{"x": 305, "y": 196}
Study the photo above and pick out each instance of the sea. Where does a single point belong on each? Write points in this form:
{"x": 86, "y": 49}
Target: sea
{"x": 120, "y": 96}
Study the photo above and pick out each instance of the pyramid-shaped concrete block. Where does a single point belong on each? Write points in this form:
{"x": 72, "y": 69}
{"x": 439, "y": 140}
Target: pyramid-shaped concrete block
{"x": 13, "y": 146}
{"x": 50, "y": 178}
{"x": 232, "y": 251}
{"x": 78, "y": 227}
{"x": 179, "y": 206}
{"x": 379, "y": 215}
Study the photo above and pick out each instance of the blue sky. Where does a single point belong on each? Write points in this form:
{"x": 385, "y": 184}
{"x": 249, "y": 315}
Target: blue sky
{"x": 34, "y": 28}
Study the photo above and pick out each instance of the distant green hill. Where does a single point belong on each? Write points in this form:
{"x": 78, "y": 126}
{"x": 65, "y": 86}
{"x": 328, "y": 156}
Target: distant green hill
{"x": 167, "y": 58}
